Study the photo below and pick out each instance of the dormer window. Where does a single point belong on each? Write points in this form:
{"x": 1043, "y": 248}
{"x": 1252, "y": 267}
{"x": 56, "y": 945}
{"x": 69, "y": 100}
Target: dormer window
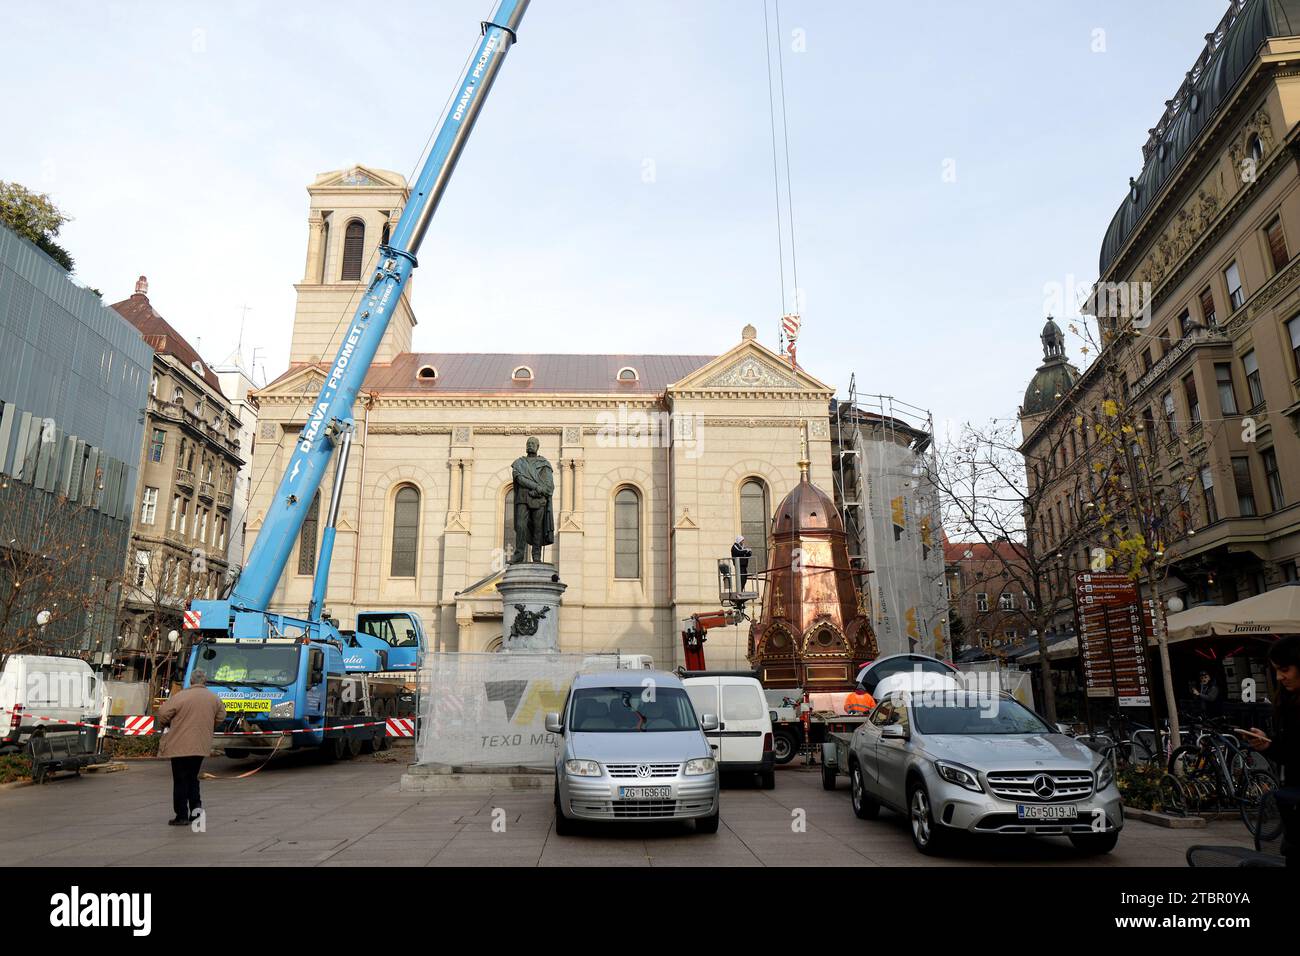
{"x": 522, "y": 374}
{"x": 427, "y": 373}
{"x": 627, "y": 374}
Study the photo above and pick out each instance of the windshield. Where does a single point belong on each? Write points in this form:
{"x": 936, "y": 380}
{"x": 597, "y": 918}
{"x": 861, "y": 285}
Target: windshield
{"x": 617, "y": 710}
{"x": 395, "y": 629}
{"x": 968, "y": 714}
{"x": 265, "y": 664}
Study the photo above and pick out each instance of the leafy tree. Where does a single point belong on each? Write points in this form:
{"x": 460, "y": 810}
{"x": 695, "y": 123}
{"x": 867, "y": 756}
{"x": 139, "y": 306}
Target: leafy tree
{"x": 34, "y": 217}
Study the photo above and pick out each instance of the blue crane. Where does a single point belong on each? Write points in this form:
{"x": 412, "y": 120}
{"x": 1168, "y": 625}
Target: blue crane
{"x": 309, "y": 651}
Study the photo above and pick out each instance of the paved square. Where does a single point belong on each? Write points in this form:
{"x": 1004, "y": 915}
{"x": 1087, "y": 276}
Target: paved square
{"x": 300, "y": 812}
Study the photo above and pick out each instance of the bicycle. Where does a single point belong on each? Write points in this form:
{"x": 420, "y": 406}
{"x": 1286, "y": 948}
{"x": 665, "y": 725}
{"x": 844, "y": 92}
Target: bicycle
{"x": 1219, "y": 769}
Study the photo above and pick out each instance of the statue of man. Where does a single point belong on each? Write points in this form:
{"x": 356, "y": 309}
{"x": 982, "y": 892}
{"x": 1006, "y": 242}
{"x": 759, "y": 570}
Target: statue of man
{"x": 534, "y": 486}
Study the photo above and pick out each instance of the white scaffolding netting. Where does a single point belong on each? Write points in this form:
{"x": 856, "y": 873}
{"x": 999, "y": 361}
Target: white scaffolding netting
{"x": 900, "y": 541}
{"x": 489, "y": 709}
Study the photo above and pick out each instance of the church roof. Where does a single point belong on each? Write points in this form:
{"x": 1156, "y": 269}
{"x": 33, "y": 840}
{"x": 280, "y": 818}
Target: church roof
{"x": 493, "y": 372}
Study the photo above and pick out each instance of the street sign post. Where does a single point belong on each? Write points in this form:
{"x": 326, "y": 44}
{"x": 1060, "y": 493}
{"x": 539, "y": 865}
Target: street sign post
{"x": 1113, "y": 629}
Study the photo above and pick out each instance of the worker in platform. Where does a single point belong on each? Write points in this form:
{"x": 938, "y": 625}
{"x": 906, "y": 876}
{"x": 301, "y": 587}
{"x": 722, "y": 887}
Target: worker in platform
{"x": 190, "y": 716}
{"x": 859, "y": 702}
{"x": 741, "y": 554}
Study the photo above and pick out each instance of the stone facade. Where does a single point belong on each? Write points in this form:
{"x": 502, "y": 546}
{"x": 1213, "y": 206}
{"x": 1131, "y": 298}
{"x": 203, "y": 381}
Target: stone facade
{"x": 184, "y": 502}
{"x": 1209, "y": 368}
{"x": 688, "y": 436}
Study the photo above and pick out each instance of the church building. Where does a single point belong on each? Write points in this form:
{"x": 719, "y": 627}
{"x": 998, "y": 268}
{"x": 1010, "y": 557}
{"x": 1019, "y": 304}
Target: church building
{"x": 660, "y": 462}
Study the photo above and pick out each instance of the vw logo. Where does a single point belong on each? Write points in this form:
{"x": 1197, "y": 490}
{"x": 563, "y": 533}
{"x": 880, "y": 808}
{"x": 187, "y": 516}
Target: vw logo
{"x": 643, "y": 770}
{"x": 1044, "y": 786}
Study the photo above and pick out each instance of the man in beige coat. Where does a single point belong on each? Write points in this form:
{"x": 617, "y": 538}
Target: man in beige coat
{"x": 190, "y": 716}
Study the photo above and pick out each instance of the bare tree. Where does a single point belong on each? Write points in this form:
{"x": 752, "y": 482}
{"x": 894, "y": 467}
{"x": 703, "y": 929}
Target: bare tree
{"x": 160, "y": 584}
{"x": 1001, "y": 494}
{"x": 53, "y": 589}
{"x": 1146, "y": 467}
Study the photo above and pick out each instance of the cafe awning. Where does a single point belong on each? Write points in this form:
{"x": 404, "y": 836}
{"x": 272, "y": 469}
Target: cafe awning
{"x": 1270, "y": 614}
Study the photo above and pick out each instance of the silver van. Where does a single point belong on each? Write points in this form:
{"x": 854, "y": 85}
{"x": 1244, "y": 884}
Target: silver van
{"x": 630, "y": 747}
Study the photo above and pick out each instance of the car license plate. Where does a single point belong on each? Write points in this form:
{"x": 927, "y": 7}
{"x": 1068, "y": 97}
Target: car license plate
{"x": 645, "y": 793}
{"x": 247, "y": 705}
{"x": 1049, "y": 811}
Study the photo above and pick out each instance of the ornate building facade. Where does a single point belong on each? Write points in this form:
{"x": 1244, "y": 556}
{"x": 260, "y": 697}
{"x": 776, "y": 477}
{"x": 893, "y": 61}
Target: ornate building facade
{"x": 660, "y": 462}
{"x": 1199, "y": 304}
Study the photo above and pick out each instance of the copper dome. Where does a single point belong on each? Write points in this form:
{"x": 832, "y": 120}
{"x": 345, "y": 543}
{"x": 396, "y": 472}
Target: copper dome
{"x": 807, "y": 509}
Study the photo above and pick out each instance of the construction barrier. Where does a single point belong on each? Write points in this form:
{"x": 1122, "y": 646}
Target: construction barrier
{"x": 489, "y": 710}
{"x": 137, "y": 726}
{"x": 140, "y": 725}
{"x": 401, "y": 726}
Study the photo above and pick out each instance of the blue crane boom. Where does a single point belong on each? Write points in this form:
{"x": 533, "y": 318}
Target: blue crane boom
{"x": 331, "y": 415}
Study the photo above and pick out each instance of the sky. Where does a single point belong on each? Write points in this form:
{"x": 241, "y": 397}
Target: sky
{"x": 953, "y": 166}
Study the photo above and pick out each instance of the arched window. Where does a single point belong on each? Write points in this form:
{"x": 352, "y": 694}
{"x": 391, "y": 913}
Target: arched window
{"x": 754, "y": 522}
{"x": 508, "y": 522}
{"x": 406, "y": 531}
{"x": 354, "y": 242}
{"x": 307, "y": 538}
{"x": 627, "y": 534}
{"x": 385, "y": 233}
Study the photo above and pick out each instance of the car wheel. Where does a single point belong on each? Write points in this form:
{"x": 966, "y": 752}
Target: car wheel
{"x": 563, "y": 825}
{"x": 707, "y": 824}
{"x": 828, "y": 776}
{"x": 927, "y": 835}
{"x": 864, "y": 808}
{"x": 783, "y": 747}
{"x": 1095, "y": 842}
{"x": 767, "y": 779}
{"x": 351, "y": 747}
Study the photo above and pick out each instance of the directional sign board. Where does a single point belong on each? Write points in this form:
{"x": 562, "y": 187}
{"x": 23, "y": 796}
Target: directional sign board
{"x": 1113, "y": 633}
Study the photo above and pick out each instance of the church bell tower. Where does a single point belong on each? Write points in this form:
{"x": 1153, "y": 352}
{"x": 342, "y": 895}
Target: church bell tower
{"x": 352, "y": 211}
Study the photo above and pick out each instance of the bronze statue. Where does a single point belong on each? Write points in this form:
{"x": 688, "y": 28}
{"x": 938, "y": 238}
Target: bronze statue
{"x": 534, "y": 486}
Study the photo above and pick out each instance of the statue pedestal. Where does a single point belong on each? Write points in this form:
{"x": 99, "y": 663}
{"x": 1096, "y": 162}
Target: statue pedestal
{"x": 530, "y": 612}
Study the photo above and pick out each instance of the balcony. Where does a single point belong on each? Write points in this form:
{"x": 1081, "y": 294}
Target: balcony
{"x": 206, "y": 491}
{"x": 224, "y": 500}
{"x": 185, "y": 478}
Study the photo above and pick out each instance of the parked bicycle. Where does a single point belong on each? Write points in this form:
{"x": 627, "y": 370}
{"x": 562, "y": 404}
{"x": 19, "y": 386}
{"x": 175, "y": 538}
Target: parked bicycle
{"x": 1219, "y": 772}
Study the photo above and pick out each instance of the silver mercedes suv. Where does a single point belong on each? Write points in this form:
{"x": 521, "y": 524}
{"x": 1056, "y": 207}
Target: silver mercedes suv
{"x": 630, "y": 747}
{"x": 953, "y": 760}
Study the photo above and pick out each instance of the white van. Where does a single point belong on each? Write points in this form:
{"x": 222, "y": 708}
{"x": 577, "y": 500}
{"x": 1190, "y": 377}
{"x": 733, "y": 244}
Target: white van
{"x": 38, "y": 691}
{"x": 743, "y": 741}
{"x": 620, "y": 662}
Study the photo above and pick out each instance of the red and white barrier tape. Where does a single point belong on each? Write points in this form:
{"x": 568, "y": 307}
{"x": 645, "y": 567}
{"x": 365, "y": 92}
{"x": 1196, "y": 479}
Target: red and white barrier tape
{"x": 135, "y": 726}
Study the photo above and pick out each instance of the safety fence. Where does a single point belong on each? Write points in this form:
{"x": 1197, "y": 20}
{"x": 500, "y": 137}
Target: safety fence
{"x": 142, "y": 725}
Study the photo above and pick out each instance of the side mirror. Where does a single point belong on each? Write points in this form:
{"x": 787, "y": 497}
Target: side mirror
{"x": 553, "y": 725}
{"x": 708, "y": 722}
{"x": 894, "y": 732}
{"x": 1065, "y": 729}
{"x": 772, "y": 715}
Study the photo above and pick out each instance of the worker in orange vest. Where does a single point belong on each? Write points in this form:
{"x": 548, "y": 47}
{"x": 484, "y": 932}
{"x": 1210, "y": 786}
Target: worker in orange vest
{"x": 859, "y": 702}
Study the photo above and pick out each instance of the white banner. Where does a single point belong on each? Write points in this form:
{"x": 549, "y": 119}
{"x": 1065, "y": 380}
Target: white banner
{"x": 489, "y": 709}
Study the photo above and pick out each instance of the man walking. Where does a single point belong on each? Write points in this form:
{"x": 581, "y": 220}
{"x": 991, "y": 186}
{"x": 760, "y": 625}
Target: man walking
{"x": 190, "y": 716}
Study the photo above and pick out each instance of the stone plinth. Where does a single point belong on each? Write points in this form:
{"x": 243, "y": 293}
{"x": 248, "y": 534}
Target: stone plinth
{"x": 530, "y": 607}
{"x": 446, "y": 778}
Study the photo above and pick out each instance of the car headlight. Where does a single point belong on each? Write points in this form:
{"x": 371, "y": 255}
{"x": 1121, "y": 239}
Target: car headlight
{"x": 1105, "y": 775}
{"x": 582, "y": 768}
{"x": 956, "y": 773}
{"x": 282, "y": 709}
{"x": 700, "y": 765}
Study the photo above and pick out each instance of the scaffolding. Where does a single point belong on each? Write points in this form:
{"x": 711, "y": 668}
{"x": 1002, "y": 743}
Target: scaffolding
{"x": 884, "y": 463}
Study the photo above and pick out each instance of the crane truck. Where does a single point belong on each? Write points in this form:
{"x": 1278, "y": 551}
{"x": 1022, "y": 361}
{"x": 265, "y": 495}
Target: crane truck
{"x": 298, "y": 681}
